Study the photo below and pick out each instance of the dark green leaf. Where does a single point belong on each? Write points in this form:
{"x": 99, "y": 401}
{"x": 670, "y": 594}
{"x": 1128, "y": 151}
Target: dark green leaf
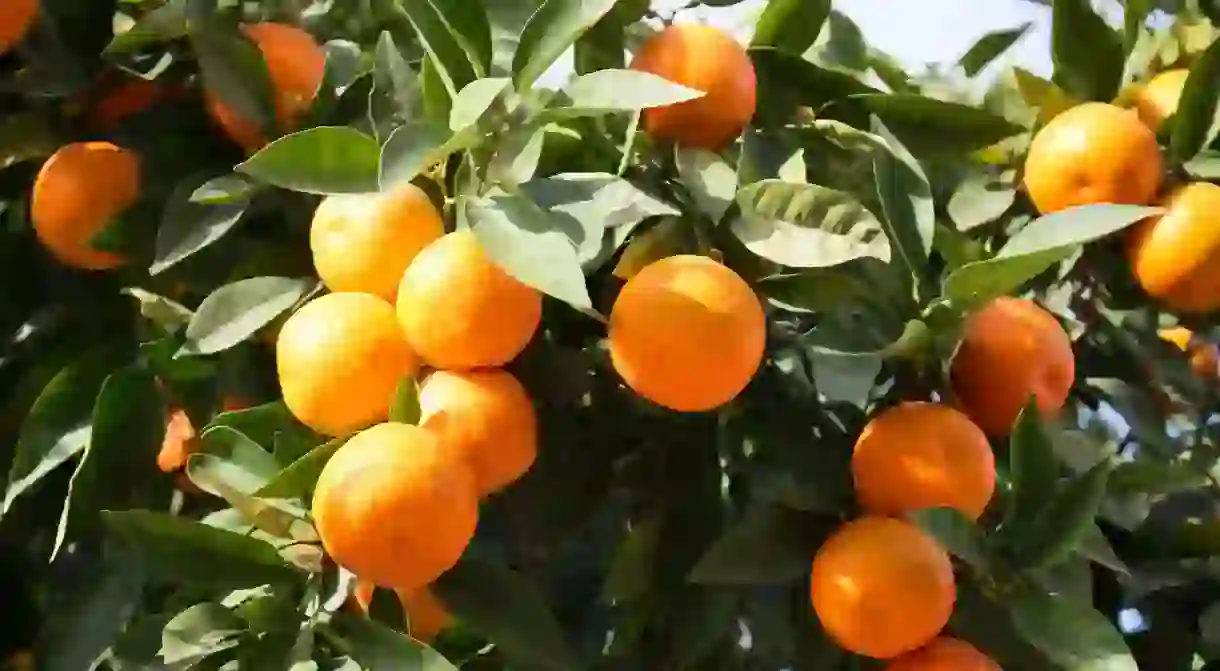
{"x": 790, "y": 25}
{"x": 200, "y": 632}
{"x": 232, "y": 189}
{"x": 234, "y": 70}
{"x": 267, "y": 425}
{"x": 162, "y": 24}
{"x": 551, "y": 30}
{"x": 631, "y": 570}
{"x": 906, "y": 202}
{"x": 958, "y": 534}
{"x": 76, "y": 637}
{"x": 517, "y": 156}
{"x": 396, "y": 96}
{"x": 807, "y": 226}
{"x": 174, "y": 549}
{"x": 990, "y": 47}
{"x": 188, "y": 226}
{"x": 1194, "y": 125}
{"x": 436, "y": 25}
{"x": 603, "y": 46}
{"x": 782, "y": 74}
{"x": 237, "y": 311}
{"x": 1087, "y": 53}
{"x": 322, "y": 160}
{"x": 1072, "y": 634}
{"x": 928, "y": 125}
{"x": 768, "y": 545}
{"x": 417, "y": 146}
{"x": 506, "y": 608}
{"x": 1096, "y": 548}
{"x": 376, "y": 647}
{"x": 298, "y": 479}
{"x": 1064, "y": 520}
{"x": 1034, "y": 471}
{"x": 405, "y": 408}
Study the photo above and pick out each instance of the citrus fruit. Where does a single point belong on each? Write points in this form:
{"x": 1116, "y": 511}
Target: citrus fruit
{"x": 295, "y": 66}
{"x": 488, "y": 417}
{"x": 1092, "y": 153}
{"x": 705, "y": 59}
{"x": 395, "y": 507}
{"x": 426, "y": 615}
{"x": 923, "y": 455}
{"x": 78, "y": 191}
{"x": 1204, "y": 356}
{"x": 16, "y": 19}
{"x": 460, "y": 310}
{"x": 364, "y": 242}
{"x": 1157, "y": 100}
{"x": 687, "y": 333}
{"x": 1011, "y": 350}
{"x": 127, "y": 96}
{"x": 880, "y": 587}
{"x": 340, "y": 359}
{"x": 180, "y": 441}
{"x": 944, "y": 654}
{"x": 1176, "y": 257}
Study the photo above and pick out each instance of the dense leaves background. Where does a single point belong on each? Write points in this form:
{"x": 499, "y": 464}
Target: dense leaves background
{"x": 869, "y": 205}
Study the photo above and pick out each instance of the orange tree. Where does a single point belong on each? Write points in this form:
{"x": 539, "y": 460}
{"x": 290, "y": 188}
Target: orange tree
{"x": 334, "y": 339}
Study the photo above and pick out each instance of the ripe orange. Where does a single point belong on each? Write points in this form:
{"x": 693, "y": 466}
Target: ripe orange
{"x": 881, "y": 588}
{"x": 365, "y": 242}
{"x": 923, "y": 455}
{"x": 77, "y": 193}
{"x": 1011, "y": 349}
{"x": 1204, "y": 356}
{"x": 687, "y": 333}
{"x": 1092, "y": 153}
{"x": 486, "y": 416}
{"x": 1158, "y": 99}
{"x": 16, "y": 19}
{"x": 705, "y": 59}
{"x": 426, "y": 615}
{"x": 1176, "y": 257}
{"x": 180, "y": 442}
{"x": 395, "y": 507}
{"x": 295, "y": 64}
{"x": 460, "y": 310}
{"x": 132, "y": 96}
{"x": 340, "y": 359}
{"x": 945, "y": 654}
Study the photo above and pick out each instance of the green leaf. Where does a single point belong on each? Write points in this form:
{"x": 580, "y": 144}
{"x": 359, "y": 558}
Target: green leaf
{"x": 1044, "y": 242}
{"x": 266, "y": 425}
{"x": 517, "y": 156}
{"x": 632, "y": 568}
{"x": 90, "y": 621}
{"x": 1034, "y": 471}
{"x": 1087, "y": 53}
{"x": 507, "y": 609}
{"x": 906, "y": 202}
{"x": 397, "y": 95}
{"x": 784, "y": 75}
{"x": 1194, "y": 126}
{"x": 807, "y": 226}
{"x": 955, "y": 532}
{"x": 607, "y": 91}
{"x": 790, "y": 25}
{"x": 416, "y": 146}
{"x": 475, "y": 100}
{"x": 982, "y": 197}
{"x": 376, "y": 647}
{"x": 597, "y": 200}
{"x": 58, "y": 424}
{"x": 232, "y": 481}
{"x": 231, "y": 444}
{"x": 435, "y": 25}
{"x": 551, "y": 30}
{"x": 603, "y": 46}
{"x": 1096, "y": 548}
{"x": 1070, "y": 633}
{"x": 187, "y": 226}
{"x": 161, "y": 24}
{"x": 299, "y": 478}
{"x": 405, "y": 407}
{"x": 936, "y": 126}
{"x": 532, "y": 245}
{"x": 174, "y": 549}
{"x": 710, "y": 179}
{"x": 1064, "y": 520}
{"x": 237, "y": 311}
{"x": 200, "y": 632}
{"x": 168, "y": 314}
{"x": 990, "y": 47}
{"x": 228, "y": 189}
{"x": 234, "y": 69}
{"x": 323, "y": 160}
{"x": 120, "y": 460}
{"x": 769, "y": 545}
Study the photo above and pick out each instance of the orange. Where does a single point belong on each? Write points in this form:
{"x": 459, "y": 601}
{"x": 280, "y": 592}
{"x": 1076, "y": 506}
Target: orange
{"x": 488, "y": 417}
{"x": 77, "y": 193}
{"x": 16, "y": 19}
{"x": 1176, "y": 257}
{"x": 1204, "y": 356}
{"x": 1158, "y": 99}
{"x": 460, "y": 310}
{"x": 295, "y": 65}
{"x": 365, "y": 242}
{"x": 180, "y": 442}
{"x": 1011, "y": 350}
{"x": 340, "y": 359}
{"x": 923, "y": 455}
{"x": 1092, "y": 153}
{"x": 395, "y": 507}
{"x": 687, "y": 333}
{"x": 132, "y": 96}
{"x": 945, "y": 654}
{"x": 705, "y": 59}
{"x": 426, "y": 615}
{"x": 881, "y": 587}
